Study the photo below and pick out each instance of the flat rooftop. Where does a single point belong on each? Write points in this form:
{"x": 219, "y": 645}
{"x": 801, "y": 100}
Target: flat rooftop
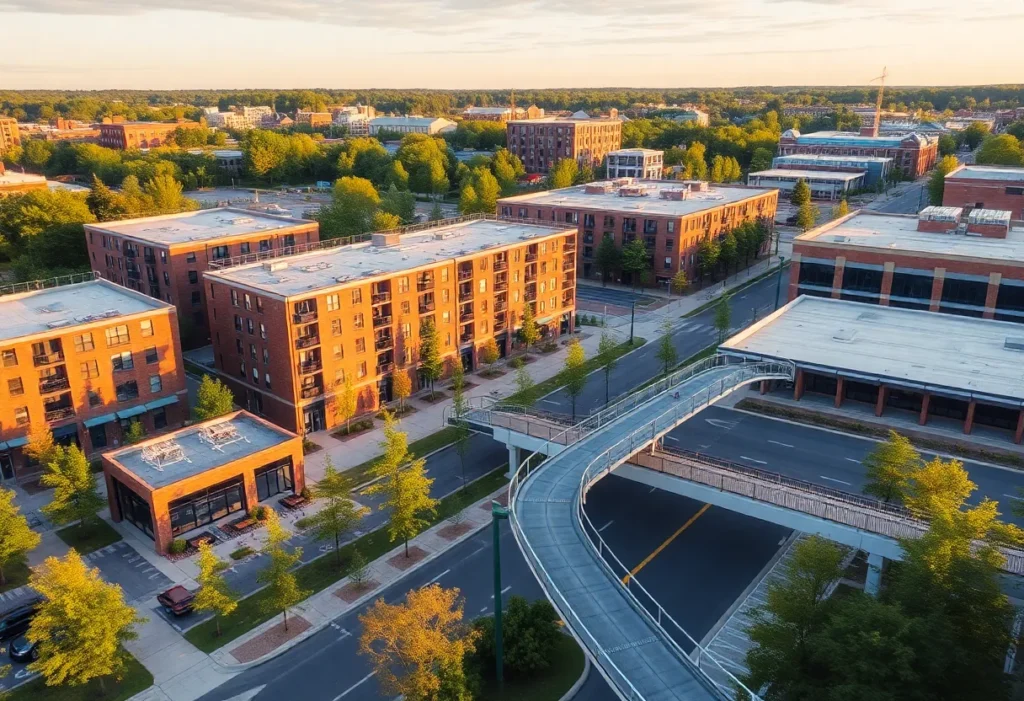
{"x": 345, "y": 264}
{"x": 200, "y": 225}
{"x": 158, "y": 464}
{"x": 39, "y": 311}
{"x": 575, "y": 120}
{"x": 850, "y": 137}
{"x": 917, "y": 348}
{"x": 1002, "y": 173}
{"x": 12, "y": 179}
{"x": 630, "y": 151}
{"x": 652, "y": 203}
{"x": 899, "y": 233}
{"x": 814, "y": 157}
{"x": 807, "y": 174}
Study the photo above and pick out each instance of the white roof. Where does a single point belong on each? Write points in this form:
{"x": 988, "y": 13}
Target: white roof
{"x": 408, "y": 120}
{"x": 806, "y": 174}
{"x": 200, "y": 225}
{"x": 10, "y": 178}
{"x": 987, "y": 173}
{"x": 898, "y": 232}
{"x": 334, "y": 267}
{"x": 829, "y": 157}
{"x": 918, "y": 348}
{"x": 487, "y": 110}
{"x": 635, "y": 151}
{"x": 227, "y": 153}
{"x": 28, "y": 313}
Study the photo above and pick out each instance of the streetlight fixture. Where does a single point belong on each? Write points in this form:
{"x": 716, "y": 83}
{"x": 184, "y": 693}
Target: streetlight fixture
{"x": 498, "y": 513}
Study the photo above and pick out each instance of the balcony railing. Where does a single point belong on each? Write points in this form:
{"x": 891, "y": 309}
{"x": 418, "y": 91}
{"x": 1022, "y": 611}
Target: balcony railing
{"x": 304, "y": 317}
{"x": 426, "y": 307}
{"x": 380, "y": 298}
{"x": 383, "y": 342}
{"x": 500, "y": 323}
{"x": 384, "y": 368}
{"x": 530, "y": 296}
{"x": 424, "y": 285}
{"x": 310, "y": 366}
{"x": 465, "y": 275}
{"x": 307, "y": 341}
{"x": 383, "y": 320}
{"x": 48, "y": 358}
{"x": 309, "y": 392}
{"x": 530, "y": 277}
{"x": 501, "y": 286}
{"x": 500, "y": 265}
{"x": 466, "y": 316}
{"x": 129, "y": 253}
{"x": 134, "y": 274}
{"x": 63, "y": 412}
{"x": 54, "y": 384}
{"x": 465, "y": 337}
{"x": 530, "y": 257}
{"x": 465, "y": 294}
{"x": 500, "y": 305}
{"x": 150, "y": 259}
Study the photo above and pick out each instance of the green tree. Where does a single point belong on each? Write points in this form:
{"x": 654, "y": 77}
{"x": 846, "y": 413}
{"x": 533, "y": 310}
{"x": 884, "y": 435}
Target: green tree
{"x": 431, "y": 362}
{"x": 841, "y": 209}
{"x": 75, "y": 494}
{"x": 353, "y": 204}
{"x": 81, "y": 625}
{"x": 282, "y": 588}
{"x": 135, "y": 432}
{"x": 1002, "y": 150}
{"x": 507, "y": 169}
{"x": 635, "y": 261}
{"x": 338, "y": 514}
{"x": 400, "y": 203}
{"x": 524, "y": 387}
{"x": 529, "y": 331}
{"x": 530, "y": 633}
{"x": 723, "y": 316}
{"x": 435, "y": 212}
{"x": 973, "y": 134}
{"x": 801, "y": 193}
{"x": 666, "y": 350}
{"x": 23, "y": 217}
{"x": 383, "y": 221}
{"x": 679, "y": 281}
{"x": 563, "y": 174}
{"x": 480, "y": 194}
{"x": 213, "y": 594}
{"x": 608, "y": 258}
{"x": 403, "y": 482}
{"x": 574, "y": 372}
{"x": 717, "y": 169}
{"x": 489, "y": 353}
{"x": 346, "y": 403}
{"x": 104, "y": 203}
{"x": 401, "y": 388}
{"x": 606, "y": 351}
{"x": 468, "y": 199}
{"x": 728, "y": 251}
{"x": 807, "y": 216}
{"x": 695, "y": 165}
{"x": 707, "y": 256}
{"x": 16, "y": 538}
{"x": 460, "y": 407}
{"x": 213, "y": 399}
{"x": 164, "y": 195}
{"x": 761, "y": 160}
{"x": 937, "y": 181}
{"x": 889, "y": 468}
{"x": 36, "y": 153}
{"x": 41, "y": 447}
{"x": 947, "y": 145}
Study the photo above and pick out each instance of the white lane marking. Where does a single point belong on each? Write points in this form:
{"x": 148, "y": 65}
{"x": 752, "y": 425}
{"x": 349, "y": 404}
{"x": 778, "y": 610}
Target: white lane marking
{"x": 484, "y": 608}
{"x": 671, "y": 438}
{"x": 759, "y": 462}
{"x": 784, "y": 445}
{"x": 833, "y": 479}
{"x": 599, "y": 530}
{"x": 1011, "y": 496}
{"x": 477, "y": 551}
{"x": 549, "y": 401}
{"x": 651, "y": 490}
{"x": 436, "y": 578}
{"x": 854, "y": 460}
{"x": 349, "y": 690}
{"x": 503, "y": 591}
{"x": 722, "y": 423}
{"x": 154, "y": 576}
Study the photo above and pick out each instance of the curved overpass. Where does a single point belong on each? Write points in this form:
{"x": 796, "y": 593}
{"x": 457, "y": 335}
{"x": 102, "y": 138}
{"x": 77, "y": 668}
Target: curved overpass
{"x": 633, "y": 649}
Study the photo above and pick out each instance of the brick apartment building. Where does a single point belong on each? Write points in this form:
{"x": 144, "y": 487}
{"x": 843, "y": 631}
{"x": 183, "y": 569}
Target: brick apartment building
{"x": 913, "y": 154}
{"x": 165, "y": 256}
{"x": 644, "y": 163}
{"x": 86, "y": 359}
{"x": 314, "y": 119}
{"x": 174, "y": 485}
{"x": 9, "y": 136}
{"x": 939, "y": 260}
{"x": 126, "y": 135}
{"x": 986, "y": 187}
{"x": 671, "y": 215}
{"x": 287, "y": 332}
{"x": 541, "y": 142}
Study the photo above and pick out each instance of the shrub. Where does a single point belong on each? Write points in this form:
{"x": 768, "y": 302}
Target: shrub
{"x": 258, "y": 512}
{"x": 178, "y": 546}
{"x": 304, "y": 522}
{"x": 530, "y": 634}
{"x": 517, "y": 363}
{"x": 305, "y": 493}
{"x": 242, "y": 553}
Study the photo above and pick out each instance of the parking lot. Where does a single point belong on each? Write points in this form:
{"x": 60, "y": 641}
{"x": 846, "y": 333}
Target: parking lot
{"x": 122, "y": 564}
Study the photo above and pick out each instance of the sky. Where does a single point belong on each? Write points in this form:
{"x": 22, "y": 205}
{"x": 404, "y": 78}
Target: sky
{"x": 180, "y": 44}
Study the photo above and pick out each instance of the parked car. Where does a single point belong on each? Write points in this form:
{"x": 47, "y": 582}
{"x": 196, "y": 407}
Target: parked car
{"x": 791, "y": 221}
{"x": 177, "y": 600}
{"x": 15, "y": 621}
{"x": 23, "y": 650}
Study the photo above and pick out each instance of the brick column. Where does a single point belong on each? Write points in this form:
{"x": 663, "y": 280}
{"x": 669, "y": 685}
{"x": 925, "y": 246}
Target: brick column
{"x": 925, "y": 401}
{"x": 1020, "y": 428}
{"x": 764, "y": 386}
{"x": 837, "y": 277}
{"x": 840, "y": 386}
{"x": 887, "y": 271}
{"x": 798, "y": 385}
{"x": 940, "y": 278}
{"x": 880, "y": 404}
{"x": 969, "y": 421}
{"x": 993, "y": 293}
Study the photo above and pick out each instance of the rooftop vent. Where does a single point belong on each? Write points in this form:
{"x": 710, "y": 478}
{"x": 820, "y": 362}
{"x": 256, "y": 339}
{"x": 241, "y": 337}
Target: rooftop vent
{"x": 162, "y": 454}
{"x": 844, "y": 335}
{"x": 218, "y": 436}
{"x": 675, "y": 194}
{"x": 1014, "y": 343}
{"x": 239, "y": 221}
{"x": 633, "y": 191}
{"x": 51, "y": 308}
{"x": 391, "y": 238}
{"x": 442, "y": 235}
{"x": 273, "y": 266}
{"x": 58, "y": 324}
{"x": 315, "y": 267}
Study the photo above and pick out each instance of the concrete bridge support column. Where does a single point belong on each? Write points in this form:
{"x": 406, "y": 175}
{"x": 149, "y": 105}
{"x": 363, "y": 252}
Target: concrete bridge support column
{"x": 874, "y": 579}
{"x": 513, "y": 460}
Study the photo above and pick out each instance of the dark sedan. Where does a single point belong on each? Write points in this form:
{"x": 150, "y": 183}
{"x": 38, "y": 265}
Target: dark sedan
{"x": 23, "y": 650}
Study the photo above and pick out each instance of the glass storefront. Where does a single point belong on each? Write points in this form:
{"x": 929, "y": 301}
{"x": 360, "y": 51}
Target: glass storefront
{"x": 274, "y": 479}
{"x": 134, "y": 509}
{"x": 207, "y": 505}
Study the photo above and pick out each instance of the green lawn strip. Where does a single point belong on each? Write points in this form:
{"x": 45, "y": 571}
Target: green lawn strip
{"x": 745, "y": 285}
{"x": 566, "y": 668}
{"x": 90, "y": 537}
{"x": 15, "y": 574}
{"x": 428, "y": 444}
{"x": 136, "y": 678}
{"x": 321, "y": 573}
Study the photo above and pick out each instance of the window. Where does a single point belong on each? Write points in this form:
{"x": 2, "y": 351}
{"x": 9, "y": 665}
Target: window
{"x": 406, "y": 307}
{"x": 445, "y": 296}
{"x": 407, "y": 330}
{"x": 151, "y": 355}
{"x": 1015, "y": 190}
{"x": 357, "y": 320}
{"x": 244, "y": 248}
{"x": 263, "y": 331}
{"x": 339, "y": 377}
{"x": 197, "y": 299}
{"x": 14, "y": 387}
{"x": 446, "y": 317}
{"x": 255, "y": 376}
{"x": 444, "y": 274}
{"x": 190, "y": 257}
{"x": 357, "y": 296}
{"x": 155, "y": 384}
{"x": 84, "y": 343}
{"x": 252, "y": 351}
{"x": 90, "y": 370}
{"x": 249, "y": 326}
{"x": 448, "y": 338}
{"x": 238, "y": 346}
{"x": 159, "y": 418}
{"x": 266, "y": 356}
{"x": 333, "y": 304}
{"x": 335, "y": 327}
{"x": 403, "y": 284}
{"x": 207, "y": 505}
{"x": 94, "y": 398}
{"x": 259, "y": 305}
{"x": 21, "y": 416}
{"x": 274, "y": 479}
{"x": 234, "y": 298}
{"x": 127, "y": 391}
{"x": 362, "y": 369}
{"x": 483, "y": 285}
{"x": 266, "y": 379}
{"x": 117, "y": 335}
{"x": 360, "y": 345}
{"x": 220, "y": 252}
{"x": 122, "y": 361}
{"x": 338, "y": 353}
{"x": 248, "y": 302}
{"x": 193, "y": 277}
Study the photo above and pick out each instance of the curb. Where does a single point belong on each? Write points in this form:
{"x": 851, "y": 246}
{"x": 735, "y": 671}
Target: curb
{"x": 575, "y": 688}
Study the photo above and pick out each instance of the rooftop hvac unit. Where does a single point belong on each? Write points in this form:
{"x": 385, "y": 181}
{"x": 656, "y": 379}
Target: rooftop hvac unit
{"x": 602, "y": 188}
{"x": 163, "y": 454}
{"x": 1014, "y": 343}
{"x": 272, "y": 266}
{"x": 315, "y": 267}
{"x": 239, "y": 221}
{"x": 58, "y": 324}
{"x": 674, "y": 194}
{"x": 633, "y": 191}
{"x": 220, "y": 435}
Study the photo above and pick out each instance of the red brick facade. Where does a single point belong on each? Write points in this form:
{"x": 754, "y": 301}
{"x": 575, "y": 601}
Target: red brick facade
{"x": 1007, "y": 194}
{"x": 126, "y": 135}
{"x": 914, "y": 155}
{"x": 542, "y": 142}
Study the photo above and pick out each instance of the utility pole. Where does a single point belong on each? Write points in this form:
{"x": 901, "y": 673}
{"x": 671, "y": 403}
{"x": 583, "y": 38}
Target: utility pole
{"x": 778, "y": 281}
{"x": 498, "y": 513}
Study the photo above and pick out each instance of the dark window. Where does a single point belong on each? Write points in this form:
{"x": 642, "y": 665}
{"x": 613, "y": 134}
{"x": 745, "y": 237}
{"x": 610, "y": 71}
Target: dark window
{"x": 122, "y": 361}
{"x": 159, "y": 418}
{"x": 910, "y": 286}
{"x": 193, "y": 277}
{"x": 134, "y": 509}
{"x": 1010, "y": 303}
{"x": 817, "y": 274}
{"x": 197, "y": 298}
{"x": 127, "y": 391}
{"x": 964, "y": 297}
{"x": 207, "y": 505}
{"x": 274, "y": 479}
{"x": 190, "y": 257}
{"x": 151, "y": 356}
{"x": 1015, "y": 191}
{"x": 220, "y": 252}
{"x": 244, "y": 248}
{"x": 861, "y": 285}
{"x": 98, "y": 436}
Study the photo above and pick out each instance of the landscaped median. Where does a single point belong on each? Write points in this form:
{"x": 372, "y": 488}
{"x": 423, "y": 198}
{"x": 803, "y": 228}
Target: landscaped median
{"x": 136, "y": 678}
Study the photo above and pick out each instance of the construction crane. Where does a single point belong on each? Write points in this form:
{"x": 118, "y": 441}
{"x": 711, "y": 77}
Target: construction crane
{"x": 878, "y": 102}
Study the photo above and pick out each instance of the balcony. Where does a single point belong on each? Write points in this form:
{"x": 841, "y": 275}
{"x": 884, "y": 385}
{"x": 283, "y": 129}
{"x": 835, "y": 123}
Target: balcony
{"x": 134, "y": 274}
{"x": 307, "y": 342}
{"x": 310, "y": 366}
{"x": 466, "y": 336}
{"x": 150, "y": 259}
{"x": 380, "y": 298}
{"x": 500, "y": 265}
{"x": 567, "y": 300}
{"x": 465, "y": 295}
{"x": 48, "y": 358}
{"x": 50, "y": 385}
{"x": 501, "y": 286}
{"x": 530, "y": 296}
{"x": 304, "y": 317}
{"x": 385, "y": 368}
{"x": 129, "y": 253}
{"x": 425, "y": 285}
{"x": 465, "y": 275}
{"x": 466, "y": 316}
{"x": 530, "y": 277}
{"x": 567, "y": 278}
{"x": 500, "y": 305}
{"x": 59, "y": 413}
{"x": 531, "y": 257}
{"x": 426, "y": 307}
{"x": 382, "y": 320}
{"x": 383, "y": 342}
{"x": 500, "y": 323}
{"x": 311, "y": 391}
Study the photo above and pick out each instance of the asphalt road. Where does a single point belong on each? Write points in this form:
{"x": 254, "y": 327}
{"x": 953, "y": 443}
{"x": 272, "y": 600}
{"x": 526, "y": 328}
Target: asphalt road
{"x": 909, "y": 202}
{"x": 697, "y": 575}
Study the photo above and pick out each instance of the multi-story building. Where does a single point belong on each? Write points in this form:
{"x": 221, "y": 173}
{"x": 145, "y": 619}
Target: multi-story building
{"x": 913, "y": 154}
{"x": 939, "y": 260}
{"x": 539, "y": 143}
{"x": 125, "y": 135}
{"x": 644, "y": 163}
{"x": 824, "y": 184}
{"x": 165, "y": 256}
{"x": 240, "y": 119}
{"x": 501, "y": 114}
{"x": 288, "y": 332}
{"x": 87, "y": 359}
{"x": 696, "y": 116}
{"x": 229, "y": 159}
{"x": 986, "y": 187}
{"x": 18, "y": 183}
{"x": 411, "y": 125}
{"x": 314, "y": 119}
{"x": 875, "y": 168}
{"x": 672, "y": 216}
{"x": 355, "y": 118}
{"x": 9, "y": 136}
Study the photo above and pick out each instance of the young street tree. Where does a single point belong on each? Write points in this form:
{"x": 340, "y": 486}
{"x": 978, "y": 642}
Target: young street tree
{"x": 401, "y": 388}
{"x": 807, "y": 216}
{"x": 723, "y": 317}
{"x": 937, "y": 180}
{"x": 524, "y": 387}
{"x": 489, "y": 353}
{"x": 82, "y": 623}
{"x": 841, "y": 209}
{"x": 608, "y": 258}
{"x": 431, "y": 361}
{"x": 801, "y": 193}
{"x": 679, "y": 282}
{"x": 282, "y": 590}
{"x": 16, "y": 538}
{"x": 635, "y": 261}
{"x": 575, "y": 373}
{"x": 460, "y": 407}
{"x": 135, "y": 432}
{"x": 338, "y": 514}
{"x": 417, "y": 647}
{"x": 403, "y": 483}
{"x": 213, "y": 595}
{"x": 213, "y": 399}
{"x": 529, "y": 332}
{"x": 346, "y": 403}
{"x": 75, "y": 495}
{"x": 606, "y": 348}
{"x": 889, "y": 467}
{"x": 40, "y": 446}
{"x": 666, "y": 350}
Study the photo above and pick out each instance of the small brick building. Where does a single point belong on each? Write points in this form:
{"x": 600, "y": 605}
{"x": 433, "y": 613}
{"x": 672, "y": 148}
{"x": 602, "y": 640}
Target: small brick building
{"x": 986, "y": 187}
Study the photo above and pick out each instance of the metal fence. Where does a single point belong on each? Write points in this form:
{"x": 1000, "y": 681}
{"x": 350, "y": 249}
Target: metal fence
{"x": 48, "y": 283}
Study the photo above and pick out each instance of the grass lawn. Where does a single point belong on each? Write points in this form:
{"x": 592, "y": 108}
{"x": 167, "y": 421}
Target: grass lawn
{"x": 92, "y": 536}
{"x": 16, "y": 574}
{"x": 136, "y": 678}
{"x": 325, "y": 571}
{"x": 565, "y": 670}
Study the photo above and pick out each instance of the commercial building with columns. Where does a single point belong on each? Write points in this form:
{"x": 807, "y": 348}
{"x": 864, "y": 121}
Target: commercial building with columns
{"x": 957, "y": 370}
{"x": 939, "y": 260}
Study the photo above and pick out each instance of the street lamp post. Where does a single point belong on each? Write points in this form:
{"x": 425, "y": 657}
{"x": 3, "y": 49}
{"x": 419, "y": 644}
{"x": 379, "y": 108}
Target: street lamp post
{"x": 632, "y": 316}
{"x": 498, "y": 514}
{"x": 778, "y": 281}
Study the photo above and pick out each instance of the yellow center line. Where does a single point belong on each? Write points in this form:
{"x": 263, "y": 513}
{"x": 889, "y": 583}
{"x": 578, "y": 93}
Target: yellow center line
{"x": 647, "y": 560}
